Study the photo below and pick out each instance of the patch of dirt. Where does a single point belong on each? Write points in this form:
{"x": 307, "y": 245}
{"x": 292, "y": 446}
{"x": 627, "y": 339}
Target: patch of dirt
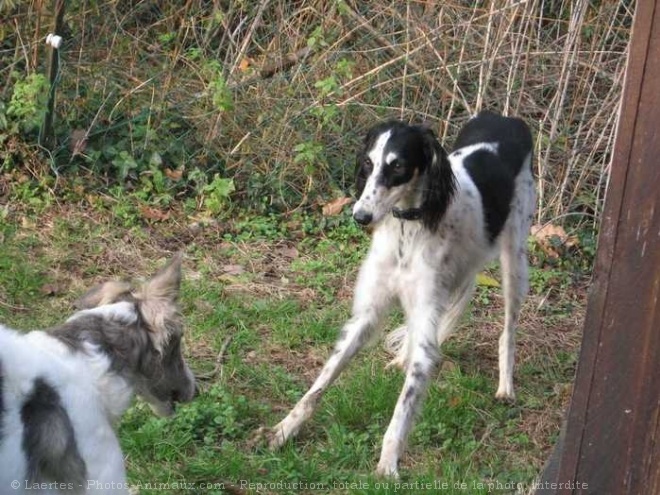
{"x": 544, "y": 327}
{"x": 303, "y": 363}
{"x": 97, "y": 250}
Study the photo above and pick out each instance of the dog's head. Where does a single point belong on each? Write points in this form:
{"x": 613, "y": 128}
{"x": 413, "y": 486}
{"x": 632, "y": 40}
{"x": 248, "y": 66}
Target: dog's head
{"x": 141, "y": 330}
{"x": 402, "y": 164}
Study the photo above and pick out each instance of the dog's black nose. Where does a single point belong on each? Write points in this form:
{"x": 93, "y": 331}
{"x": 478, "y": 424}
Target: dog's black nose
{"x": 362, "y": 217}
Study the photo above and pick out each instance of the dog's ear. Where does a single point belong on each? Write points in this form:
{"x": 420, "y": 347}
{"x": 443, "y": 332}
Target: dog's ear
{"x": 440, "y": 183}
{"x": 165, "y": 284}
{"x": 106, "y": 293}
{"x": 158, "y": 302}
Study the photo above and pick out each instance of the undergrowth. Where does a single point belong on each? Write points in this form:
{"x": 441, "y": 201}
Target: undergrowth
{"x": 262, "y": 104}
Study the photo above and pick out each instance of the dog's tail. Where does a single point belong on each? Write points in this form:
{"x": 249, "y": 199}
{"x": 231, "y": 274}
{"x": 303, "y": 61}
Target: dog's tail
{"x": 396, "y": 344}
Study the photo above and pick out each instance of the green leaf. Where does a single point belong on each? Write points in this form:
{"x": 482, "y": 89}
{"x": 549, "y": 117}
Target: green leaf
{"x": 484, "y": 280}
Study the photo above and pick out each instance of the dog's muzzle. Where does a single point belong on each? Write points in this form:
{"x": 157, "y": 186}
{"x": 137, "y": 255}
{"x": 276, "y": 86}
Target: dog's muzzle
{"x": 362, "y": 217}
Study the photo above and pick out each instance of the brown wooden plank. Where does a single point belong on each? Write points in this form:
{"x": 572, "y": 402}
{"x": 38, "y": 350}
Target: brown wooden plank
{"x": 654, "y": 457}
{"x": 642, "y": 460}
{"x": 623, "y": 392}
{"x": 612, "y": 433}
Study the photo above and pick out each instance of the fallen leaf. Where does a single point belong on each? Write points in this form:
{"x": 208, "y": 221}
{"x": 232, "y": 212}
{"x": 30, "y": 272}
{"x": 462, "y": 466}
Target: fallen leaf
{"x": 448, "y": 366}
{"x": 78, "y": 141}
{"x": 543, "y": 232}
{"x": 289, "y": 252}
{"x": 335, "y": 206}
{"x": 484, "y": 280}
{"x": 245, "y": 64}
{"x": 27, "y": 223}
{"x": 174, "y": 174}
{"x": 233, "y": 269}
{"x": 154, "y": 214}
{"x": 550, "y": 237}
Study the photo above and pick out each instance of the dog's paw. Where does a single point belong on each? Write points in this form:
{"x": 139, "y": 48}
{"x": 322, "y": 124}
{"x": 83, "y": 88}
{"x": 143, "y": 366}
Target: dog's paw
{"x": 387, "y": 470}
{"x": 270, "y": 437}
{"x": 258, "y": 437}
{"x": 505, "y": 396}
{"x": 276, "y": 438}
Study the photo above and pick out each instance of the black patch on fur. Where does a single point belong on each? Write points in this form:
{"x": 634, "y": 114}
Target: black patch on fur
{"x": 409, "y": 394}
{"x": 512, "y": 135}
{"x": 431, "y": 351}
{"x": 495, "y": 183}
{"x": 417, "y": 375}
{"x": 494, "y": 173}
{"x": 49, "y": 441}
{"x": 128, "y": 346}
{"x": 363, "y": 165}
{"x": 408, "y": 143}
{"x": 440, "y": 184}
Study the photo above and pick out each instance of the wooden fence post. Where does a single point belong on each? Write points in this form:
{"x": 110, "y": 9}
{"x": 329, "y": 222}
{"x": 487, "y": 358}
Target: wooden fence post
{"x": 612, "y": 439}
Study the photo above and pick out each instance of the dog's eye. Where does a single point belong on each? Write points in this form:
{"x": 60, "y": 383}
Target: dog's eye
{"x": 367, "y": 164}
{"x": 396, "y": 165}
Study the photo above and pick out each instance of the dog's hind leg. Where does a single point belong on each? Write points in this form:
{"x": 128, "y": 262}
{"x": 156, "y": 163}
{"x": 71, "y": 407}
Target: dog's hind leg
{"x": 397, "y": 342}
{"x": 515, "y": 283}
{"x": 451, "y": 317}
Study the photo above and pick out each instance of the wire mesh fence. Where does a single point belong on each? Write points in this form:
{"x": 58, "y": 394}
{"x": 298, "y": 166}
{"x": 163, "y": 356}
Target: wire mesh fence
{"x": 277, "y": 94}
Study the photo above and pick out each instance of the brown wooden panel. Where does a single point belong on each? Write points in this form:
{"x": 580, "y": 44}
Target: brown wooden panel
{"x": 654, "y": 457}
{"x": 612, "y": 440}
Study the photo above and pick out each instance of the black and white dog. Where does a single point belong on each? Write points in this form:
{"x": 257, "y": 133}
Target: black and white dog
{"x": 437, "y": 220}
{"x": 62, "y": 390}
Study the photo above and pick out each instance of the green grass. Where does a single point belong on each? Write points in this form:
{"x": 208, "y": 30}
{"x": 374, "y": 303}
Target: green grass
{"x": 276, "y": 322}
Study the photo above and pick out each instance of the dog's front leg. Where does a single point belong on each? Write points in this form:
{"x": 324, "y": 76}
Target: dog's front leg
{"x": 354, "y": 335}
{"x": 423, "y": 359}
{"x": 372, "y": 299}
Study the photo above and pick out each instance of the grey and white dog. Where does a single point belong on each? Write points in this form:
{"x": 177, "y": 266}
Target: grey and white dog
{"x": 63, "y": 389}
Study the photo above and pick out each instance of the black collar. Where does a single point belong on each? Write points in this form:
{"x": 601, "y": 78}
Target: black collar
{"x": 409, "y": 214}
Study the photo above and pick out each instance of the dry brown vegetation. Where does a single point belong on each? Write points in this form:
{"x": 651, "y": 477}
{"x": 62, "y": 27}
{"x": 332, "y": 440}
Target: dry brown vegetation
{"x": 275, "y": 94}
